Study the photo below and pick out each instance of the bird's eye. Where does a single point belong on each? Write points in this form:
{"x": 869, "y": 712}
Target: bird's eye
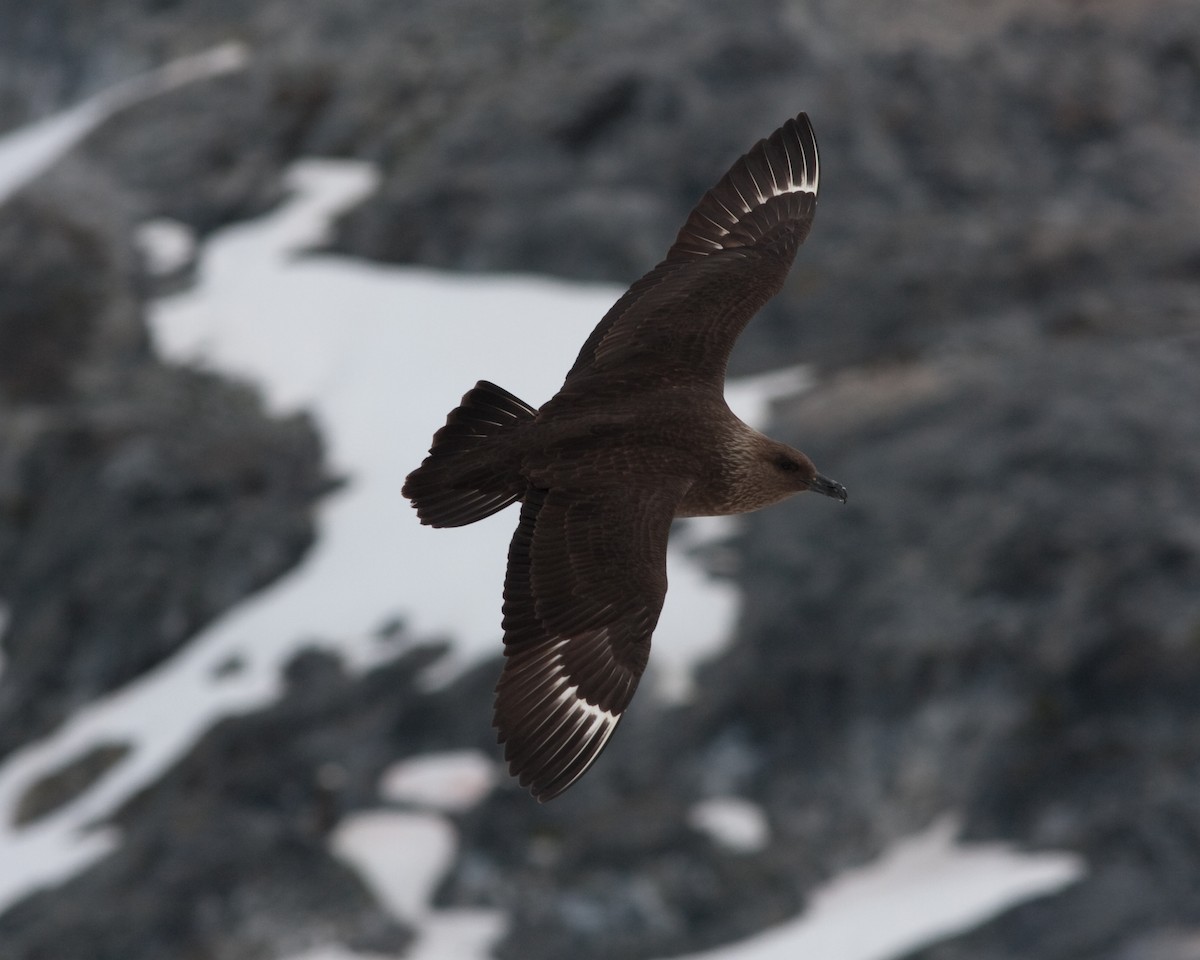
{"x": 787, "y": 464}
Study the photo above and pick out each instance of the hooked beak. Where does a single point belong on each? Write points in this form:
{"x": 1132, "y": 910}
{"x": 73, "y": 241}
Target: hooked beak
{"x": 830, "y": 488}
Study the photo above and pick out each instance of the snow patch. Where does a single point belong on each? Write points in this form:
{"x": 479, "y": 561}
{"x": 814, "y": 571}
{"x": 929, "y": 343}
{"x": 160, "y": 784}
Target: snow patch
{"x": 167, "y": 245}
{"x": 336, "y": 952}
{"x": 452, "y": 782}
{"x": 922, "y": 890}
{"x": 751, "y": 398}
{"x": 459, "y": 935}
{"x": 401, "y": 857}
{"x": 733, "y": 822}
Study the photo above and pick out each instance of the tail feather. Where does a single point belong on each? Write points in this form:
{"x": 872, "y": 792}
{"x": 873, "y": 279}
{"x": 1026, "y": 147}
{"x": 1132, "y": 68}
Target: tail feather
{"x": 464, "y": 478}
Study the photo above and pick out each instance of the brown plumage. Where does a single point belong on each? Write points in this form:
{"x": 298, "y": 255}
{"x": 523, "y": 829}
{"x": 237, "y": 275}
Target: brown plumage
{"x": 638, "y": 435}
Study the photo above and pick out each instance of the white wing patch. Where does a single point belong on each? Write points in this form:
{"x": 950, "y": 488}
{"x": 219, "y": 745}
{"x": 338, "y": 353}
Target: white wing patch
{"x": 806, "y": 182}
{"x": 569, "y": 731}
{"x": 582, "y": 706}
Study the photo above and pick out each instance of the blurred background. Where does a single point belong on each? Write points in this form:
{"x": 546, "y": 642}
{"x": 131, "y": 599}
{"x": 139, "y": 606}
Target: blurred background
{"x": 205, "y": 755}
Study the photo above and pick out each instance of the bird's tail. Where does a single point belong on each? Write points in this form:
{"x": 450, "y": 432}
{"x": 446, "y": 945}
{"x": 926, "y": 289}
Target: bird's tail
{"x": 466, "y": 476}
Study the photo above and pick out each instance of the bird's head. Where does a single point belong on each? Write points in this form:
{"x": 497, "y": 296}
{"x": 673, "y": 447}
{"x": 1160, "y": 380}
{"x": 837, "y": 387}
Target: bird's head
{"x": 779, "y": 471}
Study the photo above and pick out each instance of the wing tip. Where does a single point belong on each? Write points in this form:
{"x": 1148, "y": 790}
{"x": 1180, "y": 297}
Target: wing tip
{"x": 775, "y": 181}
{"x": 550, "y": 744}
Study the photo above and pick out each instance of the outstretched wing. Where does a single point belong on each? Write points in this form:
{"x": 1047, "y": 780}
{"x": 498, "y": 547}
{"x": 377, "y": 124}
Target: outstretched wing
{"x": 682, "y": 318}
{"x": 585, "y": 585}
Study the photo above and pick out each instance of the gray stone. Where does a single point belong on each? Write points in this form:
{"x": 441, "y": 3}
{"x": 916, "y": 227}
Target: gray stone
{"x": 137, "y": 501}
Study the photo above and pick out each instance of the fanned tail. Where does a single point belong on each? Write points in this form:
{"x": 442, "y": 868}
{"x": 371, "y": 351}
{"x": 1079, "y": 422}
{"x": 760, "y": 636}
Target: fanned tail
{"x": 468, "y": 475}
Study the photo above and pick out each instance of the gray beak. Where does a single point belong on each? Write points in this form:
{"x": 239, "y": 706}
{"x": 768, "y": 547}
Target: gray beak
{"x": 830, "y": 488}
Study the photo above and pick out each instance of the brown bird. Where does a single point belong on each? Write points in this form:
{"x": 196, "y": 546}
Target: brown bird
{"x": 638, "y": 435}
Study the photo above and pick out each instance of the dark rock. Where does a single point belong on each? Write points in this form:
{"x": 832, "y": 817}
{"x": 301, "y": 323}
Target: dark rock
{"x": 70, "y": 302}
{"x": 615, "y": 870}
{"x": 969, "y": 168}
{"x": 227, "y": 853}
{"x": 1003, "y": 620}
{"x": 68, "y": 782}
{"x": 137, "y": 501}
{"x": 250, "y": 887}
{"x": 208, "y": 153}
{"x": 131, "y": 521}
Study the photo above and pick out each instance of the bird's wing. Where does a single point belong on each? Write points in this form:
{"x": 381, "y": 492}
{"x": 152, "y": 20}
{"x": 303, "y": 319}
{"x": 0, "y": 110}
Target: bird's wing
{"x": 682, "y": 318}
{"x": 585, "y": 585}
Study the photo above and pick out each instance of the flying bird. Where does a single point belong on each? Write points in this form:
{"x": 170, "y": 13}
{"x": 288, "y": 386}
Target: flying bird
{"x": 638, "y": 435}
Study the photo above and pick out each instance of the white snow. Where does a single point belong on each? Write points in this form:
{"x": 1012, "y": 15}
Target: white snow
{"x": 167, "y": 245}
{"x": 401, "y": 857}
{"x": 338, "y": 952}
{"x": 28, "y": 151}
{"x": 458, "y": 935}
{"x": 451, "y": 782}
{"x": 751, "y": 397}
{"x": 733, "y": 822}
{"x": 924, "y": 889}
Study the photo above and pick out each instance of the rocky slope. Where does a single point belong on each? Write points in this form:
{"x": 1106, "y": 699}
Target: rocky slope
{"x": 137, "y": 501}
{"x": 1003, "y": 289}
